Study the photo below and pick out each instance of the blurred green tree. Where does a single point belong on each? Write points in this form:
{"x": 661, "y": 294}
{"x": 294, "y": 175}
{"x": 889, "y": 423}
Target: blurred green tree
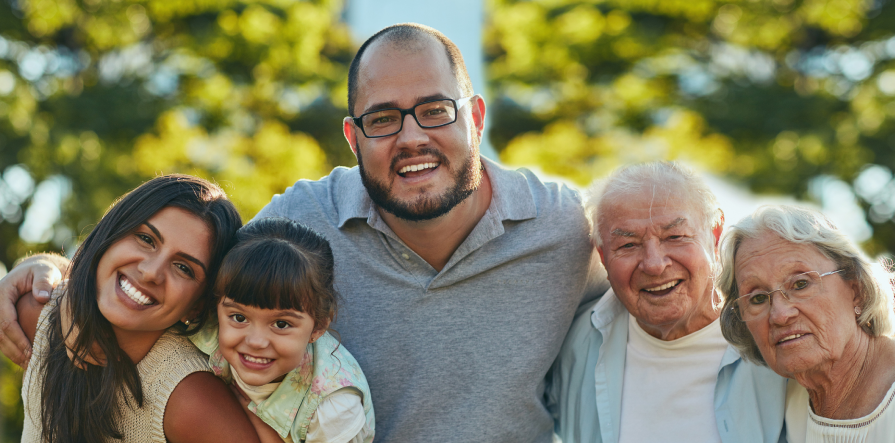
{"x": 97, "y": 96}
{"x": 102, "y": 95}
{"x": 771, "y": 93}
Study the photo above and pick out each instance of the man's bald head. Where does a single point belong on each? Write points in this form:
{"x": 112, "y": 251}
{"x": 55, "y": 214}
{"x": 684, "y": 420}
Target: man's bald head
{"x": 409, "y": 37}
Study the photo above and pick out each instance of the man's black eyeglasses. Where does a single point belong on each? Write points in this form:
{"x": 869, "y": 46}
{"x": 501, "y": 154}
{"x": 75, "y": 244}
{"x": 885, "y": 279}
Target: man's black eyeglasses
{"x": 390, "y": 121}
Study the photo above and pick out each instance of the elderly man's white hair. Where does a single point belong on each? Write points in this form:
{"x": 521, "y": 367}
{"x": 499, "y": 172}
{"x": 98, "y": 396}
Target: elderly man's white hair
{"x": 658, "y": 178}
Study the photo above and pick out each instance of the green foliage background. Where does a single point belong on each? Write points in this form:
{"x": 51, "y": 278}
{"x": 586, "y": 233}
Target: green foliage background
{"x": 108, "y": 93}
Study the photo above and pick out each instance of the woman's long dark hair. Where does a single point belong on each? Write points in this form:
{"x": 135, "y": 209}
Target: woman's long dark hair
{"x": 278, "y": 263}
{"x": 84, "y": 405}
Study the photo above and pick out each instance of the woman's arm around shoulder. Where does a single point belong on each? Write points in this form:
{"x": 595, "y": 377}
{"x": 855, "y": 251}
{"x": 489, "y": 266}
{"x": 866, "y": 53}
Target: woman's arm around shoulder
{"x": 202, "y": 409}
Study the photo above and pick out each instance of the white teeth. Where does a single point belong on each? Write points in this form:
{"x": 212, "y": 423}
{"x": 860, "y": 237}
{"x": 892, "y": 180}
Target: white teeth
{"x": 133, "y": 293}
{"x": 251, "y": 359}
{"x": 420, "y": 167}
{"x": 790, "y": 337}
{"x": 663, "y": 287}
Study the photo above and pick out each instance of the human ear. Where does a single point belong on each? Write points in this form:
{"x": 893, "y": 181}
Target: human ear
{"x": 350, "y": 132}
{"x": 478, "y": 114}
{"x": 319, "y": 331}
{"x": 716, "y": 230}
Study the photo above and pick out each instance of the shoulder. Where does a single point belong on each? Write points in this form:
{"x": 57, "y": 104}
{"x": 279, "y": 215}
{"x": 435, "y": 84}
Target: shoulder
{"x": 551, "y": 194}
{"x": 583, "y": 336}
{"x": 307, "y": 197}
{"x": 202, "y": 408}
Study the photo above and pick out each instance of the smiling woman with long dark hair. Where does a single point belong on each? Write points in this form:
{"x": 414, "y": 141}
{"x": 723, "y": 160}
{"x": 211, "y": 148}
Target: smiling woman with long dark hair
{"x": 127, "y": 372}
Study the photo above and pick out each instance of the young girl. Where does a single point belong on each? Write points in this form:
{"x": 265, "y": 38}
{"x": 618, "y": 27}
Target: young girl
{"x": 129, "y": 374}
{"x": 275, "y": 301}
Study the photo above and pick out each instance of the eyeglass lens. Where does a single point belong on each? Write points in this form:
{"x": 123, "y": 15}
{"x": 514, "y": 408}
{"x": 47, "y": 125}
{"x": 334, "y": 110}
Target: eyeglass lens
{"x": 428, "y": 115}
{"x": 796, "y": 288}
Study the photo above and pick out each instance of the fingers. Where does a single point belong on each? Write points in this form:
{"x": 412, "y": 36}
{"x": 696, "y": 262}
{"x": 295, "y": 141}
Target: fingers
{"x": 13, "y": 343}
{"x": 38, "y": 273}
{"x": 45, "y": 277}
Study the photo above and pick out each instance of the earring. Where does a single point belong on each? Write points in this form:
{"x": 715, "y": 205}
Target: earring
{"x": 857, "y": 310}
{"x": 186, "y": 322}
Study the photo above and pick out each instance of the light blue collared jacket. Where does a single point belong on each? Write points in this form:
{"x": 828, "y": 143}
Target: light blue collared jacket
{"x": 584, "y": 391}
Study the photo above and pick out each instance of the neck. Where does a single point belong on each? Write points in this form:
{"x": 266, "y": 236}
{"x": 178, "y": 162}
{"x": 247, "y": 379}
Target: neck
{"x": 136, "y": 344}
{"x": 436, "y": 240}
{"x": 854, "y": 385}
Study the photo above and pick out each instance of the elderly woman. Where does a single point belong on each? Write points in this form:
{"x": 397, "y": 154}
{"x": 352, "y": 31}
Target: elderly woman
{"x": 802, "y": 299}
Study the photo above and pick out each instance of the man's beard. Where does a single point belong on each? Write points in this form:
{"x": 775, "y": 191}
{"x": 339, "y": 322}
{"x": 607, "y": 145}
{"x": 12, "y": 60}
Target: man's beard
{"x": 466, "y": 180}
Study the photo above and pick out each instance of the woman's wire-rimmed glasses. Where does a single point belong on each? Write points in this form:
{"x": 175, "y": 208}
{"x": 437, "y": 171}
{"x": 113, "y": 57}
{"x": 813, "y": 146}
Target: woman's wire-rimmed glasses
{"x": 428, "y": 114}
{"x": 797, "y": 288}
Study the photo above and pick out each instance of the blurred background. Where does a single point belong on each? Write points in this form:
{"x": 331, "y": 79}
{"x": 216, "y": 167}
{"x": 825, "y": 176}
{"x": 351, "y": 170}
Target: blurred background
{"x": 773, "y": 100}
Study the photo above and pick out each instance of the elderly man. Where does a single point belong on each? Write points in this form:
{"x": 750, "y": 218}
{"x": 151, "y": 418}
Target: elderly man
{"x": 647, "y": 362}
{"x": 459, "y": 278}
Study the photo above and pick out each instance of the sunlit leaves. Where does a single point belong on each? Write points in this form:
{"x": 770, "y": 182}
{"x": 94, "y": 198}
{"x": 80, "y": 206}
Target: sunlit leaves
{"x": 111, "y": 93}
{"x": 252, "y": 168}
{"x": 770, "y": 92}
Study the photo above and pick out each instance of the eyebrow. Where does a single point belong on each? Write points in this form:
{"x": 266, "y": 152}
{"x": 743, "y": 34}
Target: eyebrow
{"x": 230, "y": 304}
{"x": 619, "y": 232}
{"x": 677, "y": 222}
{"x": 280, "y": 313}
{"x": 179, "y": 253}
{"x": 392, "y": 104}
{"x": 289, "y": 313}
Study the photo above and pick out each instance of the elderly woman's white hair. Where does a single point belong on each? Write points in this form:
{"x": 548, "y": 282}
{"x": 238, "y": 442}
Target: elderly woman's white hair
{"x": 655, "y": 176}
{"x": 799, "y": 225}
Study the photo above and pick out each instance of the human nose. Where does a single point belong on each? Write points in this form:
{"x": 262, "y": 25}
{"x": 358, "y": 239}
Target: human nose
{"x": 256, "y": 339}
{"x": 412, "y": 134}
{"x": 152, "y": 269}
{"x": 654, "y": 258}
{"x": 782, "y": 309}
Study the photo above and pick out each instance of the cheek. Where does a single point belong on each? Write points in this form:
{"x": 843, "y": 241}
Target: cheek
{"x": 759, "y": 333}
{"x": 228, "y": 337}
{"x": 620, "y": 269}
{"x": 290, "y": 349}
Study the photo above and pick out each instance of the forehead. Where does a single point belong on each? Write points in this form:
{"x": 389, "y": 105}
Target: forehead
{"x": 770, "y": 252}
{"x": 403, "y": 73}
{"x": 183, "y": 230}
{"x": 647, "y": 210}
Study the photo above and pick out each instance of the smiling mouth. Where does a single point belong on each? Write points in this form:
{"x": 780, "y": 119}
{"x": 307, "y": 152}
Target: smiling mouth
{"x": 132, "y": 292}
{"x": 667, "y": 287}
{"x": 790, "y": 337}
{"x": 256, "y": 360}
{"x": 418, "y": 169}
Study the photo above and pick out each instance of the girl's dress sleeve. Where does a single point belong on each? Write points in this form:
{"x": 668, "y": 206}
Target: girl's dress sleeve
{"x": 339, "y": 418}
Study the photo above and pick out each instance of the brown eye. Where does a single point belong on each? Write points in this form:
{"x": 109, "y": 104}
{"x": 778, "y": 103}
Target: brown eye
{"x": 758, "y": 299}
{"x": 801, "y": 284}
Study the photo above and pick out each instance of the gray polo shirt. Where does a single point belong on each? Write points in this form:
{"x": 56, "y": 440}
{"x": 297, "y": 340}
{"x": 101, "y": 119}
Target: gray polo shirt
{"x": 458, "y": 355}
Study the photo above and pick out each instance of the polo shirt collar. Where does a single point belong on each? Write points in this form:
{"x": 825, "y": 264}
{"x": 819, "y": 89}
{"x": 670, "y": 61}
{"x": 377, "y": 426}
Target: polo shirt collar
{"x": 351, "y": 198}
{"x": 511, "y": 196}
